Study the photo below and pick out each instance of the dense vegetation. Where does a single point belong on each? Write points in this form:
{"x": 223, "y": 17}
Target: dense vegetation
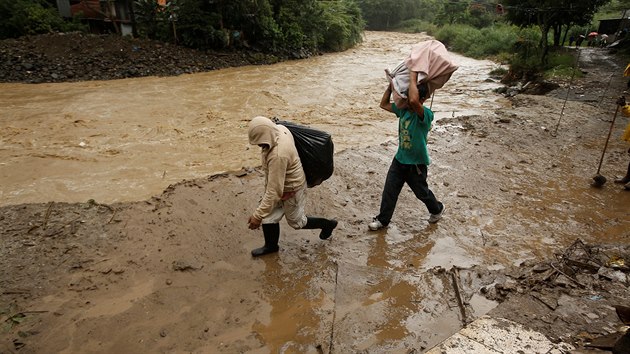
{"x": 289, "y": 25}
{"x": 297, "y": 27}
{"x": 526, "y": 33}
{"x": 24, "y": 17}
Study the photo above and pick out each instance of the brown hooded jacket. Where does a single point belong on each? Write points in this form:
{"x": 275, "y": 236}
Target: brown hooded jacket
{"x": 280, "y": 160}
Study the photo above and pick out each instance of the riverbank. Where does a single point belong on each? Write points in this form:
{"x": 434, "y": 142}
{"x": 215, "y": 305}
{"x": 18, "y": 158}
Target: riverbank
{"x": 71, "y": 57}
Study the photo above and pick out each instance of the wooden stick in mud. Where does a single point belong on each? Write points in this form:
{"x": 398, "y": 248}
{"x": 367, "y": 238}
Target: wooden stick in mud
{"x": 112, "y": 218}
{"x": 566, "y": 275}
{"x": 332, "y": 326}
{"x": 47, "y": 215}
{"x": 460, "y": 303}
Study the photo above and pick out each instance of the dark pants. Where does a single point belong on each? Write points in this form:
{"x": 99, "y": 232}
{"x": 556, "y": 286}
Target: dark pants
{"x": 416, "y": 177}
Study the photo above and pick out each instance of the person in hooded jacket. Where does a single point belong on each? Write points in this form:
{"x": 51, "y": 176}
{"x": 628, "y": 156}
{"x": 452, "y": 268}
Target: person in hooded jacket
{"x": 285, "y": 186}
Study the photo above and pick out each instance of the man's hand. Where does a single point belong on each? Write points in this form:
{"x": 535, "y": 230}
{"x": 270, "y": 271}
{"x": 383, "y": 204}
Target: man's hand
{"x": 253, "y": 223}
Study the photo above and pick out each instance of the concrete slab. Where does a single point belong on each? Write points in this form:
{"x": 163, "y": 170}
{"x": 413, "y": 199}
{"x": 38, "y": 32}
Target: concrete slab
{"x": 498, "y": 335}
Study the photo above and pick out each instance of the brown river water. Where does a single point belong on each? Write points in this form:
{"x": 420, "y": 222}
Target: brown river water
{"x": 127, "y": 140}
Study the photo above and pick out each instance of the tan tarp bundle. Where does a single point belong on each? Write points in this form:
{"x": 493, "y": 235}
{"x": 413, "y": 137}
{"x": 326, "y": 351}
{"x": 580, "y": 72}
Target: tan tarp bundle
{"x": 431, "y": 60}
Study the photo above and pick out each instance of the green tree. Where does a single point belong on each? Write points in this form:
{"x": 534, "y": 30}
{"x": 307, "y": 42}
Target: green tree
{"x": 387, "y": 14}
{"x": 550, "y": 14}
{"x": 300, "y": 23}
{"x": 480, "y": 15}
{"x": 343, "y": 25}
{"x": 149, "y": 18}
{"x": 25, "y": 17}
{"x": 289, "y": 27}
{"x": 453, "y": 12}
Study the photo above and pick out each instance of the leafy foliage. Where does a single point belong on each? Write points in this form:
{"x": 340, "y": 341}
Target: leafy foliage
{"x": 526, "y": 52}
{"x": 344, "y": 25}
{"x": 549, "y": 12}
{"x": 297, "y": 27}
{"x": 453, "y": 13}
{"x": 551, "y": 15}
{"x": 478, "y": 14}
{"x": 27, "y": 17}
{"x": 388, "y": 14}
{"x": 479, "y": 43}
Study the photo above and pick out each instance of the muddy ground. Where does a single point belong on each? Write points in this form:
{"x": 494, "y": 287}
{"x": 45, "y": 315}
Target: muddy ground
{"x": 173, "y": 273}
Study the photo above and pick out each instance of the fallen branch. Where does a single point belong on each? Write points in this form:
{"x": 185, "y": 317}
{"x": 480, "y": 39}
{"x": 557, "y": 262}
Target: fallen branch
{"x": 460, "y": 303}
{"x": 112, "y": 218}
{"x": 332, "y": 326}
{"x": 566, "y": 275}
{"x": 48, "y": 211}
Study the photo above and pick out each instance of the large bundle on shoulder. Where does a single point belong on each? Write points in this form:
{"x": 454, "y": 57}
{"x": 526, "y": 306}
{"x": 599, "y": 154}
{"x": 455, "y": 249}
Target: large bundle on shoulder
{"x": 430, "y": 60}
{"x": 316, "y": 150}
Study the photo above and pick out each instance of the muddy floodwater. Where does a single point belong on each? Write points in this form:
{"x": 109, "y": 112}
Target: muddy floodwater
{"x": 127, "y": 140}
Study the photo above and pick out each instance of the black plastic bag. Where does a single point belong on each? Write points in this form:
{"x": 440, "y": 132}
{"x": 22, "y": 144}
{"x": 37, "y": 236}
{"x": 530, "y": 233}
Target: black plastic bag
{"x": 316, "y": 150}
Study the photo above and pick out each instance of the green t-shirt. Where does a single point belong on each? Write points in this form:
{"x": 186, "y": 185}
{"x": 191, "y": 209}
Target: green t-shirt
{"x": 412, "y": 136}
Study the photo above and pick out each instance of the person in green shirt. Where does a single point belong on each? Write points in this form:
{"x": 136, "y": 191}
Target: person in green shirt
{"x": 412, "y": 158}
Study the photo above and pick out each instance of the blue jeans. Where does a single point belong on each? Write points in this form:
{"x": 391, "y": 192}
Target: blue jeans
{"x": 416, "y": 177}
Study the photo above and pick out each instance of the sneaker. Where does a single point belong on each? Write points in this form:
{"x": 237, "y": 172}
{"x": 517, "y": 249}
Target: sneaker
{"x": 436, "y": 217}
{"x": 375, "y": 225}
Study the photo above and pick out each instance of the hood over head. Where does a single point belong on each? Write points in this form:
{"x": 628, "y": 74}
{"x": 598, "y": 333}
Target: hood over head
{"x": 263, "y": 131}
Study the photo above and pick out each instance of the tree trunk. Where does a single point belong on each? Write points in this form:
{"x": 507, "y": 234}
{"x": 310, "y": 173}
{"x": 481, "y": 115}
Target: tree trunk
{"x": 111, "y": 14}
{"x": 545, "y": 45}
{"x": 566, "y": 32}
{"x": 132, "y": 16}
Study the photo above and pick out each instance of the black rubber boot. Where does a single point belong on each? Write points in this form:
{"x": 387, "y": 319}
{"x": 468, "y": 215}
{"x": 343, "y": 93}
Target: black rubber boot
{"x": 622, "y": 345}
{"x": 327, "y": 226}
{"x": 272, "y": 235}
{"x": 625, "y": 179}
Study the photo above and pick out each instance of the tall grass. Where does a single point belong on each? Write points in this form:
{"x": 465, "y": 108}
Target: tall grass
{"x": 561, "y": 64}
{"x": 479, "y": 43}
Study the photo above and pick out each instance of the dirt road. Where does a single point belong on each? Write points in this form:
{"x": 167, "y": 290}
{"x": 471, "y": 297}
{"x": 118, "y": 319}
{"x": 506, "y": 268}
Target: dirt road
{"x": 173, "y": 274}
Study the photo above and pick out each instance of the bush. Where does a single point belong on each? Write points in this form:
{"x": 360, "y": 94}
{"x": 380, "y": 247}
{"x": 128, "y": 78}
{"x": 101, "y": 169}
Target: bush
{"x": 561, "y": 65}
{"x": 498, "y": 39}
{"x": 479, "y": 43}
{"x": 28, "y": 17}
{"x": 526, "y": 51}
{"x": 291, "y": 27}
{"x": 498, "y": 72}
{"x": 343, "y": 25}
